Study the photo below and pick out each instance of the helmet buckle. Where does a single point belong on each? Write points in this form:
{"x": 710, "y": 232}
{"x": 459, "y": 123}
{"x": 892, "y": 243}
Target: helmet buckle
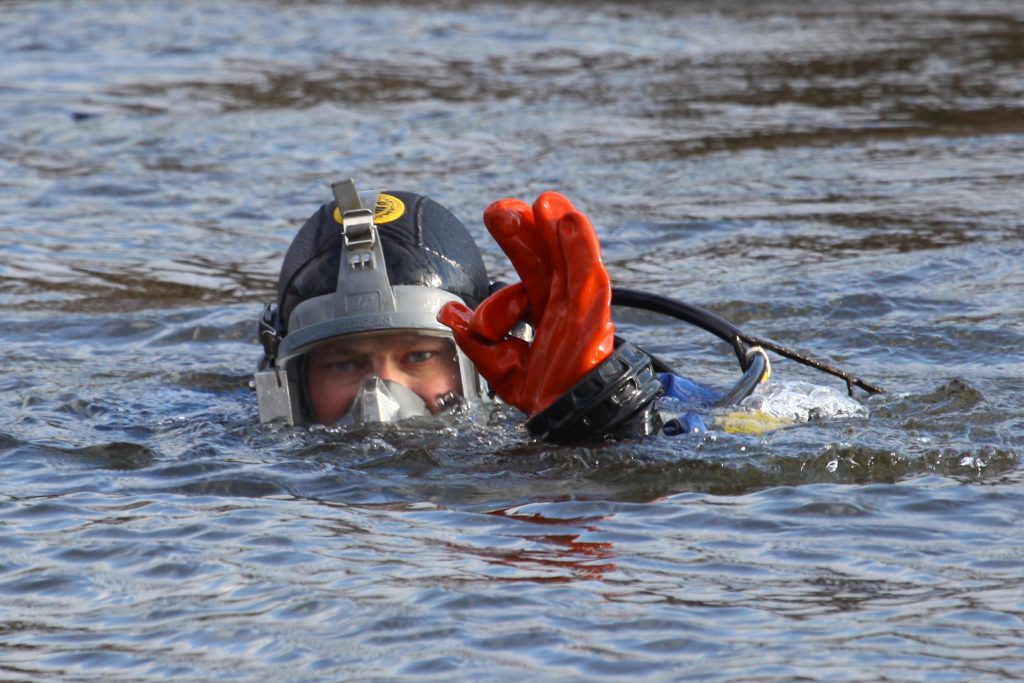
{"x": 269, "y": 332}
{"x": 358, "y": 230}
{"x": 360, "y": 235}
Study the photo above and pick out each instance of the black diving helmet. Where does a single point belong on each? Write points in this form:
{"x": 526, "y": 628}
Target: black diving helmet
{"x": 355, "y": 276}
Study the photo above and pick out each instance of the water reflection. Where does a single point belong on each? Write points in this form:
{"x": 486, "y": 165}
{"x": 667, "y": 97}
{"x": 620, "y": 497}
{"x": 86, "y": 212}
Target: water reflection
{"x": 583, "y": 559}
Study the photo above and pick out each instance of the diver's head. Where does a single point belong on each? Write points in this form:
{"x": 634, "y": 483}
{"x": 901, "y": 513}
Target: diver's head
{"x": 354, "y": 335}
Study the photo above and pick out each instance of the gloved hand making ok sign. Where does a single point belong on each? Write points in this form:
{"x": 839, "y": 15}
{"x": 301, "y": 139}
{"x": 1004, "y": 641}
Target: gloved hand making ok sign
{"x": 564, "y": 294}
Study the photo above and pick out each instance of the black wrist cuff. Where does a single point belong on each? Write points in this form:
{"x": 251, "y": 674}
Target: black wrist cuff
{"x": 616, "y": 399}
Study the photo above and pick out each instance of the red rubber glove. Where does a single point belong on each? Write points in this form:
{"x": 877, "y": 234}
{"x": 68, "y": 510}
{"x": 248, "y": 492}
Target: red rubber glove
{"x": 565, "y": 295}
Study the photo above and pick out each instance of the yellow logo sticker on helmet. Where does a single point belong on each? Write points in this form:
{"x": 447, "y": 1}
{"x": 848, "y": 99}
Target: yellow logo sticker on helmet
{"x": 389, "y": 208}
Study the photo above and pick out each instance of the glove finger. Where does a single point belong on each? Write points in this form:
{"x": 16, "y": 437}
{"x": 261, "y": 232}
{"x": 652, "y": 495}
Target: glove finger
{"x": 587, "y": 280}
{"x": 499, "y": 313}
{"x": 549, "y": 208}
{"x": 456, "y": 316}
{"x": 512, "y": 225}
{"x": 459, "y": 318}
{"x": 501, "y": 363}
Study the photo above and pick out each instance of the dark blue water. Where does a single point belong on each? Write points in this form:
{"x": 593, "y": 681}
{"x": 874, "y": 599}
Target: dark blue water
{"x": 845, "y": 179}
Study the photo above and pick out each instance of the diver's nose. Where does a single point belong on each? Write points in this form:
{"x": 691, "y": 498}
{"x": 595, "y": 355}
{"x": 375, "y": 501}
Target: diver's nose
{"x": 385, "y": 368}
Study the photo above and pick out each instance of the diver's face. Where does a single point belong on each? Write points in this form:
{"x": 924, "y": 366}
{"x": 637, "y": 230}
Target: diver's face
{"x": 423, "y": 364}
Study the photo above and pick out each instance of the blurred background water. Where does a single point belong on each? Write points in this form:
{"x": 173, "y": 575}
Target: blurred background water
{"x": 843, "y": 178}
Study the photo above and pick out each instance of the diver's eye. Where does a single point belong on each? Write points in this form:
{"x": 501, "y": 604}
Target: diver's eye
{"x": 345, "y": 366}
{"x": 420, "y": 356}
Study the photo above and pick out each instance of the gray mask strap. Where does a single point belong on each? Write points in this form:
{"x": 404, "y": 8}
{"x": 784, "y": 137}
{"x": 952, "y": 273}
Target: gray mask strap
{"x": 363, "y": 286}
{"x": 347, "y": 199}
{"x": 345, "y": 195}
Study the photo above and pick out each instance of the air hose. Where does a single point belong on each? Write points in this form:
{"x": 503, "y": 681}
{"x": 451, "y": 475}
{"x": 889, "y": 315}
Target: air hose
{"x": 725, "y": 330}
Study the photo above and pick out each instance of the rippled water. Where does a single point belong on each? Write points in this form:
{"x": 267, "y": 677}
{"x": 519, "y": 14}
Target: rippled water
{"x": 843, "y": 178}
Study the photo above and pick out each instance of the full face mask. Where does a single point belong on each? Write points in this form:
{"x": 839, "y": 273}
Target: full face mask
{"x": 346, "y": 242}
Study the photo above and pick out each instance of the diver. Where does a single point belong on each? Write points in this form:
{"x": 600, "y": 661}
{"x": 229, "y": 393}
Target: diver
{"x": 385, "y": 312}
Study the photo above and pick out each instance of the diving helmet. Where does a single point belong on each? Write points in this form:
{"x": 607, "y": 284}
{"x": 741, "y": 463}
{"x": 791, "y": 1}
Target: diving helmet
{"x": 365, "y": 263}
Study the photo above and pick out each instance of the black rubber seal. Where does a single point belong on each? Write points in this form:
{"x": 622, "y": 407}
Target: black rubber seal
{"x": 615, "y": 399}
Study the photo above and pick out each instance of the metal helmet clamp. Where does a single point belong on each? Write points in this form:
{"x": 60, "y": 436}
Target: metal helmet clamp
{"x": 366, "y": 262}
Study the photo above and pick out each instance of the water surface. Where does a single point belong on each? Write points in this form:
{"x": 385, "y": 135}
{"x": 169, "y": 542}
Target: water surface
{"x": 843, "y": 179}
